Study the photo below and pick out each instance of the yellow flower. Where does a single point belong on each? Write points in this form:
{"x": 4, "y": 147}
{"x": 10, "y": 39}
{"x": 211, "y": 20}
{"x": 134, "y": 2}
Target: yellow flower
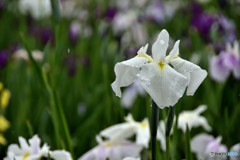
{"x": 4, "y": 124}
{"x": 3, "y": 141}
{"x": 4, "y": 98}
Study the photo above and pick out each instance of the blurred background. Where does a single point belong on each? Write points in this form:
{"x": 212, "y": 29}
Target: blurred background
{"x": 77, "y": 48}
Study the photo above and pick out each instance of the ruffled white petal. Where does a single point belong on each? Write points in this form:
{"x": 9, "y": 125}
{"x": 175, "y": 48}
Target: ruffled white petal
{"x": 35, "y": 144}
{"x": 165, "y": 87}
{"x": 161, "y": 135}
{"x": 119, "y": 131}
{"x": 14, "y": 148}
{"x": 193, "y": 119}
{"x": 159, "y": 47}
{"x": 200, "y": 109}
{"x": 126, "y": 72}
{"x": 195, "y": 74}
{"x": 23, "y": 144}
{"x": 60, "y": 155}
{"x": 203, "y": 122}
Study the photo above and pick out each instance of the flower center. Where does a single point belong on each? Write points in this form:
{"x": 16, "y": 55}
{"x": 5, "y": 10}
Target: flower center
{"x": 25, "y": 156}
{"x": 161, "y": 65}
{"x": 188, "y": 116}
{"x": 143, "y": 125}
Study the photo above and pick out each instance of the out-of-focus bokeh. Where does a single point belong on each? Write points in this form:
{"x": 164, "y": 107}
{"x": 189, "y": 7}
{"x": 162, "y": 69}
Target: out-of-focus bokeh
{"x": 74, "y": 50}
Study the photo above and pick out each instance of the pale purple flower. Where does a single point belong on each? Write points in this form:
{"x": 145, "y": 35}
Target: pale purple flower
{"x": 160, "y": 12}
{"x": 3, "y": 59}
{"x": 227, "y": 28}
{"x": 236, "y": 149}
{"x": 203, "y": 144}
{"x": 226, "y": 62}
{"x": 131, "y": 93}
{"x": 114, "y": 150}
{"x": 74, "y": 31}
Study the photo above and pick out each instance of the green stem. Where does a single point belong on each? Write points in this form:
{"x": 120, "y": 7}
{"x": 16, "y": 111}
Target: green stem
{"x": 154, "y": 126}
{"x": 167, "y": 147}
{"x": 188, "y": 146}
{"x": 169, "y": 123}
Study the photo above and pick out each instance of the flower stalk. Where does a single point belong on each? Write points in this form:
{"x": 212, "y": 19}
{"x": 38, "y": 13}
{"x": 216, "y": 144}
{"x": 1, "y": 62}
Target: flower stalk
{"x": 188, "y": 146}
{"x": 154, "y": 126}
{"x": 169, "y": 123}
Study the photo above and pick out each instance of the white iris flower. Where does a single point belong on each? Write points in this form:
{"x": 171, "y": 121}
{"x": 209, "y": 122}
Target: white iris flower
{"x": 33, "y": 151}
{"x": 165, "y": 78}
{"x": 37, "y": 8}
{"x": 193, "y": 119}
{"x": 129, "y": 128}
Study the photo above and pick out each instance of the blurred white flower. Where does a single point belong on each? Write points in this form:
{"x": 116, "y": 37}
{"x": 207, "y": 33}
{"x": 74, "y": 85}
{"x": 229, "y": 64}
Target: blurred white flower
{"x": 203, "y": 144}
{"x": 125, "y": 130}
{"x": 124, "y": 20}
{"x": 193, "y": 119}
{"x": 37, "y": 8}
{"x": 22, "y": 54}
{"x": 112, "y": 149}
{"x": 161, "y": 133}
{"x": 164, "y": 83}
{"x": 131, "y": 93}
{"x": 33, "y": 150}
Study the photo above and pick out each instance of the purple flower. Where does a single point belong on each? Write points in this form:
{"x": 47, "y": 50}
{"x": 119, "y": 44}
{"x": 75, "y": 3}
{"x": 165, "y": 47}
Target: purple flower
{"x": 218, "y": 71}
{"x": 114, "y": 150}
{"x": 42, "y": 34}
{"x": 71, "y": 63}
{"x": 202, "y": 21}
{"x": 74, "y": 31}
{"x": 3, "y": 59}
{"x": 204, "y": 144}
{"x": 2, "y": 4}
{"x": 226, "y": 62}
{"x": 110, "y": 13}
{"x": 227, "y": 28}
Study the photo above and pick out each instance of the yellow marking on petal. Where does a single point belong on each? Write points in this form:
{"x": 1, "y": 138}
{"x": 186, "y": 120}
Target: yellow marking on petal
{"x": 108, "y": 144}
{"x": 144, "y": 124}
{"x": 161, "y": 65}
{"x": 4, "y": 98}
{"x": 25, "y": 156}
{"x": 146, "y": 56}
{"x": 167, "y": 57}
